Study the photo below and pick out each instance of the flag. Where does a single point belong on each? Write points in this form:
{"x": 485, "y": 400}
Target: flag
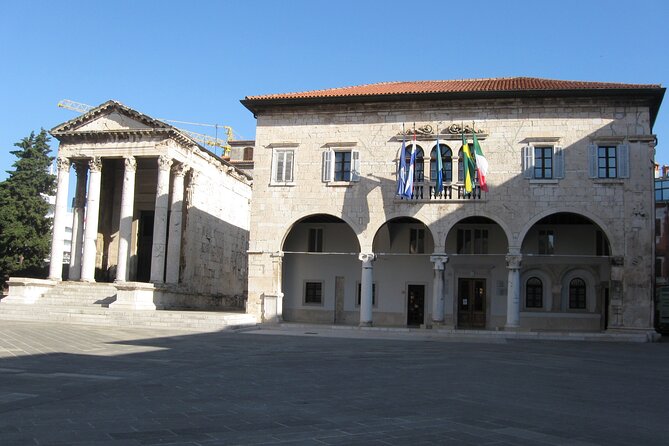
{"x": 469, "y": 166}
{"x": 408, "y": 188}
{"x": 481, "y": 164}
{"x": 440, "y": 167}
{"x": 402, "y": 172}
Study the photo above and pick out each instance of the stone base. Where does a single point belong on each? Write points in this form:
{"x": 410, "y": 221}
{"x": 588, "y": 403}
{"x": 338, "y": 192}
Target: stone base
{"x": 135, "y": 296}
{"x": 24, "y": 290}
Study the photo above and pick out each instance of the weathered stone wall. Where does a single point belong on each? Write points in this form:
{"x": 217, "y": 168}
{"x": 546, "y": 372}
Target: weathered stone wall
{"x": 622, "y": 208}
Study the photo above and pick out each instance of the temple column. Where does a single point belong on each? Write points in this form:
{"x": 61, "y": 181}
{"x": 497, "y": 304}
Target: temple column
{"x": 160, "y": 220}
{"x": 59, "y": 215}
{"x": 174, "y": 238}
{"x": 92, "y": 215}
{"x": 513, "y": 263}
{"x": 78, "y": 212}
{"x": 366, "y": 290}
{"x": 125, "y": 224}
{"x": 438, "y": 288}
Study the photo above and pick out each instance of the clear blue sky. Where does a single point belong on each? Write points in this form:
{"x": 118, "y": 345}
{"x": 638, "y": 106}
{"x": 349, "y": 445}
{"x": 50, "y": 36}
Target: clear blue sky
{"x": 195, "y": 60}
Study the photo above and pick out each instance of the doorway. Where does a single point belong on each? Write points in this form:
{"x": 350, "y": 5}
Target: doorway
{"x": 144, "y": 245}
{"x": 471, "y": 303}
{"x": 415, "y": 305}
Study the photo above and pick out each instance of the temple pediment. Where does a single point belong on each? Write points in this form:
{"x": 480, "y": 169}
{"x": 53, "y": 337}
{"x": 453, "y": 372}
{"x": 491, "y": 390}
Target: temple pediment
{"x": 112, "y": 121}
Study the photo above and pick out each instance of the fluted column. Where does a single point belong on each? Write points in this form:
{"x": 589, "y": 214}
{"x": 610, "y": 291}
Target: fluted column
{"x": 92, "y": 211}
{"x": 78, "y": 212}
{"x": 160, "y": 220}
{"x": 513, "y": 263}
{"x": 366, "y": 290}
{"x": 174, "y": 238}
{"x": 59, "y": 215}
{"x": 438, "y": 288}
{"x": 125, "y": 224}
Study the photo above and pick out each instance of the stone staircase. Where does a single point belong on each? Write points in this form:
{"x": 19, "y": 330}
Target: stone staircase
{"x": 88, "y": 303}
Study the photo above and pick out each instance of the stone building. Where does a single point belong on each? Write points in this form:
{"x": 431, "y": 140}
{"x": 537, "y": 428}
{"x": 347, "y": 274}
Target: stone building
{"x": 160, "y": 216}
{"x": 563, "y": 239}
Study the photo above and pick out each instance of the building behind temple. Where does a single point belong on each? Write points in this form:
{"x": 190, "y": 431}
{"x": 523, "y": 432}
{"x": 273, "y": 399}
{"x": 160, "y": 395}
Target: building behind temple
{"x": 562, "y": 240}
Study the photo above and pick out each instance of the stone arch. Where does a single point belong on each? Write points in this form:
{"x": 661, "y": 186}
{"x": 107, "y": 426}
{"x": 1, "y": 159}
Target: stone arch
{"x": 402, "y": 219}
{"x": 469, "y": 216}
{"x": 287, "y": 228}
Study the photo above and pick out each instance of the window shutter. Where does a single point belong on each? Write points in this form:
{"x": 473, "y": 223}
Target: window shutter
{"x": 528, "y": 161}
{"x": 355, "y": 165}
{"x": 288, "y": 176}
{"x": 327, "y": 166}
{"x": 592, "y": 160}
{"x": 623, "y": 159}
{"x": 558, "y": 162}
{"x": 275, "y": 161}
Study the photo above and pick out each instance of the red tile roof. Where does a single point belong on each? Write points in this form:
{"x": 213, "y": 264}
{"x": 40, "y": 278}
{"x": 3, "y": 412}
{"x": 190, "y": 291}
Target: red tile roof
{"x": 498, "y": 85}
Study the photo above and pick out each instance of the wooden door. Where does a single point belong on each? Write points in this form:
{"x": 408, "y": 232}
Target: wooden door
{"x": 471, "y": 303}
{"x": 415, "y": 305}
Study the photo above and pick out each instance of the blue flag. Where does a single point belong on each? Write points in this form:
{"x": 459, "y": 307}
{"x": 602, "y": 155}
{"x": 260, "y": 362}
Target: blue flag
{"x": 440, "y": 175}
{"x": 402, "y": 172}
{"x": 408, "y": 187}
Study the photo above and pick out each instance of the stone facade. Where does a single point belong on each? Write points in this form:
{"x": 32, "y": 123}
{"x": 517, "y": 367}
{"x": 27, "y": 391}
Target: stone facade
{"x": 159, "y": 208}
{"x": 596, "y": 274}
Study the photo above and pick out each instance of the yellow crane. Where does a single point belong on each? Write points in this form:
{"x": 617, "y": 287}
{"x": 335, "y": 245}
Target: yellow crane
{"x": 212, "y": 141}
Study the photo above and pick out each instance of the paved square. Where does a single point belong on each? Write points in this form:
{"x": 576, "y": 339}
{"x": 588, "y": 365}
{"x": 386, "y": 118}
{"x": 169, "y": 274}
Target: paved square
{"x": 68, "y": 385}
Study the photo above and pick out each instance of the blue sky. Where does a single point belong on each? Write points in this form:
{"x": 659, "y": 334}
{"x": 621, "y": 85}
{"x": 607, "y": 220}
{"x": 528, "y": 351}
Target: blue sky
{"x": 195, "y": 60}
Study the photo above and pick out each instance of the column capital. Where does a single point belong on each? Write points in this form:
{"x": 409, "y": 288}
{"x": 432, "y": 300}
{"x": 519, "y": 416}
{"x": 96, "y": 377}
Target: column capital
{"x": 164, "y": 162}
{"x": 130, "y": 163}
{"x": 180, "y": 169}
{"x": 95, "y": 164}
{"x": 439, "y": 260}
{"x": 63, "y": 163}
{"x": 366, "y": 257}
{"x": 514, "y": 261}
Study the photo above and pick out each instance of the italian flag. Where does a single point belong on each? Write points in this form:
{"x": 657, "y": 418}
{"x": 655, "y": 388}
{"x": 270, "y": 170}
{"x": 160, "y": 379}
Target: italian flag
{"x": 481, "y": 164}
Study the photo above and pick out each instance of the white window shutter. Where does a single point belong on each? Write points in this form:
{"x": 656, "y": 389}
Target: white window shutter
{"x": 623, "y": 159}
{"x": 288, "y": 176}
{"x": 355, "y": 165}
{"x": 528, "y": 161}
{"x": 275, "y": 161}
{"x": 592, "y": 160}
{"x": 558, "y": 162}
{"x": 328, "y": 166}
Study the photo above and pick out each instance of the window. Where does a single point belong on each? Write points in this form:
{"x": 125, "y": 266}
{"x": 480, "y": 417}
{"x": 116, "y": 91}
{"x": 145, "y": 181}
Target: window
{"x": 658, "y": 266}
{"x": 313, "y": 293}
{"x": 577, "y": 294}
{"x": 602, "y": 244}
{"x": 315, "y": 242}
{"x": 608, "y": 161}
{"x": 658, "y": 227}
{"x": 534, "y": 292}
{"x": 472, "y": 241}
{"x": 661, "y": 190}
{"x": 446, "y": 164}
{"x": 282, "y": 168}
{"x": 360, "y": 295}
{"x": 248, "y": 154}
{"x": 417, "y": 241}
{"x": 543, "y": 162}
{"x": 546, "y": 242}
{"x": 418, "y": 170}
{"x": 341, "y": 166}
{"x": 461, "y": 168}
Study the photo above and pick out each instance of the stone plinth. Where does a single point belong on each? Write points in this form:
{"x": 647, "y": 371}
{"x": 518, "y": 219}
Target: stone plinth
{"x": 24, "y": 290}
{"x": 135, "y": 296}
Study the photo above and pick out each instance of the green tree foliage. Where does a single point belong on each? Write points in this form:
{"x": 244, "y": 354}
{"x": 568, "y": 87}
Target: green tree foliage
{"x": 25, "y": 229}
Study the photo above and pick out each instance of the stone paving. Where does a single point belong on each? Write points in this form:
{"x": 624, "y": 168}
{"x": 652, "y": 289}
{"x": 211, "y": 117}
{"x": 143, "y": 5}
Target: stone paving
{"x": 85, "y": 385}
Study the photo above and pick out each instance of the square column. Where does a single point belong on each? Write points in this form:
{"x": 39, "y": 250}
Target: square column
{"x": 125, "y": 224}
{"x": 174, "y": 238}
{"x": 59, "y": 215}
{"x": 78, "y": 210}
{"x": 92, "y": 216}
{"x": 160, "y": 220}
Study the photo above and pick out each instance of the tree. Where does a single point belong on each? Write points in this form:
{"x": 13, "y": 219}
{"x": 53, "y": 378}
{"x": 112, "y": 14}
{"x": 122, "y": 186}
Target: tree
{"x": 25, "y": 228}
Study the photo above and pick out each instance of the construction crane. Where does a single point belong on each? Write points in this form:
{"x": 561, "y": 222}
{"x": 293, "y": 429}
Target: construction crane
{"x": 212, "y": 141}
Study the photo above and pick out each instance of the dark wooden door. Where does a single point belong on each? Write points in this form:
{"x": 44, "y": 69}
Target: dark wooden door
{"x": 471, "y": 303}
{"x": 144, "y": 246}
{"x": 415, "y": 305}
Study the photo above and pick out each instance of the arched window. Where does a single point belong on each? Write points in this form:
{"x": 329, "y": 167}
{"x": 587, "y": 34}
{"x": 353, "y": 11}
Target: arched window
{"x": 577, "y": 294}
{"x": 461, "y": 168}
{"x": 534, "y": 293}
{"x": 418, "y": 166}
{"x": 446, "y": 164}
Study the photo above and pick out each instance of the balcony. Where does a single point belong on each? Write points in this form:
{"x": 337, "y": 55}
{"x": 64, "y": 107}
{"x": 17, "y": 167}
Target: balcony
{"x": 424, "y": 191}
